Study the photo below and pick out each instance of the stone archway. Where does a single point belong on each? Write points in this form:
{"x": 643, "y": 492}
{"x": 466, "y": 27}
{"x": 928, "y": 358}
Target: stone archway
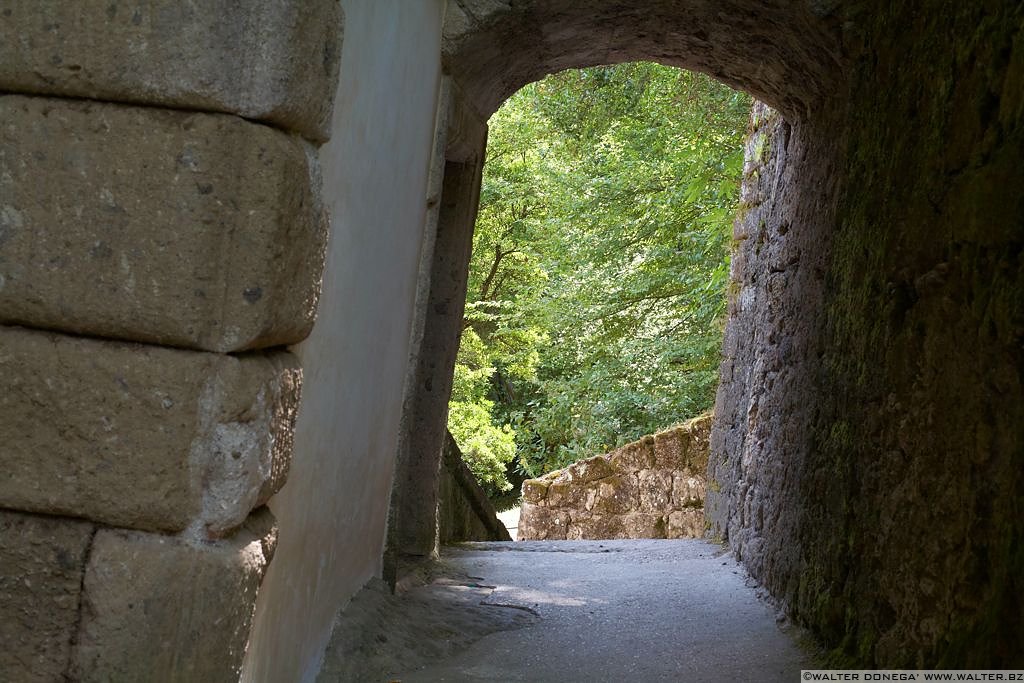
{"x": 785, "y": 53}
{"x": 160, "y": 233}
{"x": 808, "y": 414}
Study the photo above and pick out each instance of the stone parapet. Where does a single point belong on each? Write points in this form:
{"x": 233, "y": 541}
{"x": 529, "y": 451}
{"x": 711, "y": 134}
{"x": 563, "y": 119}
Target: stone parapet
{"x": 140, "y": 436}
{"x": 194, "y": 230}
{"x": 463, "y": 511}
{"x": 271, "y": 60}
{"x": 651, "y": 488}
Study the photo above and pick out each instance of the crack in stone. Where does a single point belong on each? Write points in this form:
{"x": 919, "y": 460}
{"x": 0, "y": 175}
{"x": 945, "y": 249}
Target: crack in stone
{"x": 77, "y": 627}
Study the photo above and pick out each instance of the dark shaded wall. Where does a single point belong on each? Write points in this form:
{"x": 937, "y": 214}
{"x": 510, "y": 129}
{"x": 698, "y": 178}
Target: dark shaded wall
{"x": 870, "y": 443}
{"x": 463, "y": 511}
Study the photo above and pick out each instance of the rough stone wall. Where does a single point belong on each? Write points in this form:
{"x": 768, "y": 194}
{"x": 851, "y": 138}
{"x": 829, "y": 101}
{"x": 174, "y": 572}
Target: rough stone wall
{"x": 463, "y": 511}
{"x": 772, "y": 348}
{"x": 785, "y": 52}
{"x": 161, "y": 229}
{"x": 651, "y": 488}
{"x": 869, "y": 446}
{"x": 918, "y": 469}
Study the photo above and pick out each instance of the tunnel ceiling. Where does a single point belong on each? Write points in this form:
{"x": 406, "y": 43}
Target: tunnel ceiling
{"x": 786, "y": 53}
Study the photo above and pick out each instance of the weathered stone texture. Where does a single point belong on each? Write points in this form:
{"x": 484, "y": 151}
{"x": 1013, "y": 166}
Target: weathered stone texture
{"x": 540, "y": 523}
{"x": 463, "y": 511}
{"x": 688, "y": 523}
{"x": 41, "y": 564}
{"x": 195, "y": 230}
{"x": 868, "y": 439}
{"x": 769, "y": 355}
{"x": 159, "y": 608}
{"x": 141, "y": 436}
{"x": 273, "y": 60}
{"x": 786, "y": 53}
{"x": 651, "y": 488}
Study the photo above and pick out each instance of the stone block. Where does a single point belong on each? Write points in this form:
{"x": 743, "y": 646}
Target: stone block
{"x": 613, "y": 495}
{"x": 591, "y": 469}
{"x": 686, "y": 523}
{"x": 140, "y": 436}
{"x": 644, "y": 525}
{"x": 201, "y": 231}
{"x": 272, "y": 60}
{"x": 539, "y": 524}
{"x": 671, "y": 449}
{"x": 41, "y": 564}
{"x": 688, "y": 491}
{"x": 655, "y": 490}
{"x": 634, "y": 457}
{"x": 596, "y": 527}
{"x": 699, "y": 429}
{"x": 535, "y": 490}
{"x": 565, "y": 493}
{"x": 162, "y": 608}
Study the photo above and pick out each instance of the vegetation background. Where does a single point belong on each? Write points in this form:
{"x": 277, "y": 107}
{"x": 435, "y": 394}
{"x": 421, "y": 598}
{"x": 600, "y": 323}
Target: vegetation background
{"x": 600, "y": 265}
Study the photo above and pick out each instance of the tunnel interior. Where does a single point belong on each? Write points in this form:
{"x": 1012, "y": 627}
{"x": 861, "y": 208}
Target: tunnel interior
{"x": 866, "y": 450}
{"x": 184, "y": 186}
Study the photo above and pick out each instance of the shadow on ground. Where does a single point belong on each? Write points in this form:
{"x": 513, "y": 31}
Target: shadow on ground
{"x": 568, "y": 611}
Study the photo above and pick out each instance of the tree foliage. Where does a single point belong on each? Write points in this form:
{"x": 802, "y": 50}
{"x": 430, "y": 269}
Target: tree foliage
{"x": 599, "y": 267}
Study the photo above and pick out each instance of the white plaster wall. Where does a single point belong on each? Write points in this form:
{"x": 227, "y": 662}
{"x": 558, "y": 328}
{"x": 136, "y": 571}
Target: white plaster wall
{"x": 332, "y": 512}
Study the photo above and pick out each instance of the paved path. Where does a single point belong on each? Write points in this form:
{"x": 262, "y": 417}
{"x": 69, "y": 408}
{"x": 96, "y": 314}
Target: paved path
{"x": 619, "y": 611}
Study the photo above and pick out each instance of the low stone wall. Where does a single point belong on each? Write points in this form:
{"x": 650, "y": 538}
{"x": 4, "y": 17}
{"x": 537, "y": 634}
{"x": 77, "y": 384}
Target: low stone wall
{"x": 463, "y": 511}
{"x": 651, "y": 488}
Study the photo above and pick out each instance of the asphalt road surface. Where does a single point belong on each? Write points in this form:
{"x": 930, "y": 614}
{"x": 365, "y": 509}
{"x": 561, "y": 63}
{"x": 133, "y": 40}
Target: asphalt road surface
{"x": 617, "y": 611}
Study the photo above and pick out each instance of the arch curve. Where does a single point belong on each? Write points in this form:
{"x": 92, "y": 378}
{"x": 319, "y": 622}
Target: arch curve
{"x": 786, "y": 53}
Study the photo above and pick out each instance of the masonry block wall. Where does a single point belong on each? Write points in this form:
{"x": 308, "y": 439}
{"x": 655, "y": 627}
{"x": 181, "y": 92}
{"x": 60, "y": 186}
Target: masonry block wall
{"x": 464, "y": 512}
{"x": 161, "y": 240}
{"x": 651, "y": 488}
{"x": 869, "y": 445}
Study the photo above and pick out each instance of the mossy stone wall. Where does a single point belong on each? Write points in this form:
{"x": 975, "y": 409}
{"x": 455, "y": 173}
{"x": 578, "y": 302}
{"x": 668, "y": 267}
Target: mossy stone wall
{"x": 870, "y": 445}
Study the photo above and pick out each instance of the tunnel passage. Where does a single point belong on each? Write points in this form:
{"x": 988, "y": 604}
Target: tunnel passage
{"x": 873, "y": 346}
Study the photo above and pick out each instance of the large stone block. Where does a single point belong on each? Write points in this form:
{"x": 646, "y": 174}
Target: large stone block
{"x": 635, "y": 456}
{"x": 613, "y": 495}
{"x": 535, "y": 490}
{"x": 687, "y": 523}
{"x": 595, "y": 527}
{"x": 565, "y": 493}
{"x": 591, "y": 469}
{"x": 195, "y": 230}
{"x": 644, "y": 525}
{"x": 142, "y": 436}
{"x": 160, "y": 608}
{"x": 655, "y": 490}
{"x": 671, "y": 449}
{"x": 699, "y": 443}
{"x": 273, "y": 60}
{"x": 538, "y": 524}
{"x": 688, "y": 491}
{"x": 684, "y": 448}
{"x": 41, "y": 564}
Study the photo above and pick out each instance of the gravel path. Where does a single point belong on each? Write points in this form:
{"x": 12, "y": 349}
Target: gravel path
{"x": 612, "y": 611}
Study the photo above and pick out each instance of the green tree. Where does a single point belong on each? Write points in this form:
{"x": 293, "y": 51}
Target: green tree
{"x": 600, "y": 263}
